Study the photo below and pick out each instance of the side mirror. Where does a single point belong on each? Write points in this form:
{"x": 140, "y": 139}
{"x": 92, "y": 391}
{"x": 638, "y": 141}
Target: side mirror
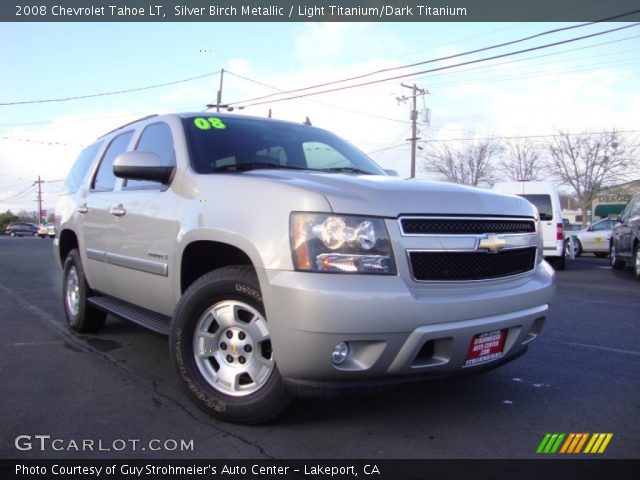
{"x": 392, "y": 173}
{"x": 142, "y": 166}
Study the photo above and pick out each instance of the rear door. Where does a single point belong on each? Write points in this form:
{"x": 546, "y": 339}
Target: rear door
{"x": 624, "y": 232}
{"x": 95, "y": 216}
{"x": 549, "y": 230}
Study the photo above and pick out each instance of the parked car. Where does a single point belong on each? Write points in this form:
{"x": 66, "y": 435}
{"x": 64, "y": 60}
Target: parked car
{"x": 624, "y": 246}
{"x": 544, "y": 196}
{"x": 21, "y": 229}
{"x": 47, "y": 230}
{"x": 281, "y": 260}
{"x": 593, "y": 239}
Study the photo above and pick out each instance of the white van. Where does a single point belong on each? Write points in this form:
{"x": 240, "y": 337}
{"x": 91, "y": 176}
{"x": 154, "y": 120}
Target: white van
{"x": 544, "y": 196}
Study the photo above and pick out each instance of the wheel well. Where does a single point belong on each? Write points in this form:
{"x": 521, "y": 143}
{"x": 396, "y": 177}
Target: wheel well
{"x": 205, "y": 256}
{"x": 68, "y": 241}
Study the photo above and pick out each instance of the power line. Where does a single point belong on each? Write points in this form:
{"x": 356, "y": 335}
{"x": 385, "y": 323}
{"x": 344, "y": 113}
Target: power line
{"x": 522, "y": 137}
{"x": 339, "y": 107}
{"x": 448, "y": 57}
{"x": 19, "y": 194}
{"x": 104, "y": 94}
{"x": 533, "y": 74}
{"x": 471, "y": 62}
{"x": 527, "y": 59}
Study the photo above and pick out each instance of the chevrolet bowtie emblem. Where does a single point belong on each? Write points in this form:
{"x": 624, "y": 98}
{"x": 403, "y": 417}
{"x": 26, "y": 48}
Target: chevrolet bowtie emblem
{"x": 493, "y": 243}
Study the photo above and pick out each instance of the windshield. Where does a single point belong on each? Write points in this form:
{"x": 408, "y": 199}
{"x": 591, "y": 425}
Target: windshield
{"x": 223, "y": 144}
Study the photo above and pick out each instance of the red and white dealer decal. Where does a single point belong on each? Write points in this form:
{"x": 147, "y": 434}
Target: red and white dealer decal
{"x": 486, "y": 347}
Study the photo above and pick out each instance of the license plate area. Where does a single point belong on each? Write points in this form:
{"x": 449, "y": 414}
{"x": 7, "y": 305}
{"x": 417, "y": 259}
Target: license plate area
{"x": 486, "y": 347}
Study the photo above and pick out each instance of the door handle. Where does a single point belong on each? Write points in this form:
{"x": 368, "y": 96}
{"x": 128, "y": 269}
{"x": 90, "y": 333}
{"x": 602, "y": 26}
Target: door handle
{"x": 117, "y": 211}
{"x": 83, "y": 209}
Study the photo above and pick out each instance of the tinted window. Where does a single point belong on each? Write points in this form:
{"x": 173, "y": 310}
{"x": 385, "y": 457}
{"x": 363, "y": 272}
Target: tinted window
{"x": 634, "y": 207}
{"x": 155, "y": 138}
{"x": 222, "y": 143}
{"x": 105, "y": 179}
{"x": 602, "y": 225}
{"x": 543, "y": 204}
{"x": 80, "y": 168}
{"x": 320, "y": 155}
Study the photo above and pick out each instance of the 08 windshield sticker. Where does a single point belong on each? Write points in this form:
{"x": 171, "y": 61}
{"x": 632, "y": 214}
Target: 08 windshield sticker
{"x": 209, "y": 123}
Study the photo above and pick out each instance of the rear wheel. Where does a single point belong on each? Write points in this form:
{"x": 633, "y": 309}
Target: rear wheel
{"x": 616, "y": 263}
{"x": 636, "y": 262}
{"x": 221, "y": 347}
{"x": 577, "y": 248}
{"x": 81, "y": 316}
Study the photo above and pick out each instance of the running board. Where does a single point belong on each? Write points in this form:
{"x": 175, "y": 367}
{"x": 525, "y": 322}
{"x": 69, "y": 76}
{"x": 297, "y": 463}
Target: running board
{"x": 146, "y": 318}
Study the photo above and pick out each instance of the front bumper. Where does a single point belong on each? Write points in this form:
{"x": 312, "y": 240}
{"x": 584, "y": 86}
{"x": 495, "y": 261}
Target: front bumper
{"x": 394, "y": 327}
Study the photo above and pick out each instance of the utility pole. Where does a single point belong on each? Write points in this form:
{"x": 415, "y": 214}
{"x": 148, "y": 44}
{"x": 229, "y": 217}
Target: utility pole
{"x": 219, "y": 97}
{"x": 414, "y": 118}
{"x": 39, "y": 182}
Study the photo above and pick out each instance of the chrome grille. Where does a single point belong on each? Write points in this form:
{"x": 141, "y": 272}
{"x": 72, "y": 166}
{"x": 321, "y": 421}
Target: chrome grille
{"x": 475, "y": 265}
{"x": 464, "y": 226}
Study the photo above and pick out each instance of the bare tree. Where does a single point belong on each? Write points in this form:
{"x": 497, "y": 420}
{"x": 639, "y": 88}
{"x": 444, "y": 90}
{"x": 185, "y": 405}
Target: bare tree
{"x": 523, "y": 161}
{"x": 473, "y": 164}
{"x": 587, "y": 163}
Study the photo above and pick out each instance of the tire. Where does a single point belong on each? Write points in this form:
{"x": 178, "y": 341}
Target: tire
{"x": 220, "y": 345}
{"x": 636, "y": 262}
{"x": 81, "y": 316}
{"x": 615, "y": 262}
{"x": 577, "y": 248}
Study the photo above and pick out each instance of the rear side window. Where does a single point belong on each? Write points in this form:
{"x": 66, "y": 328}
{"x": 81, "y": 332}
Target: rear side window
{"x": 543, "y": 204}
{"x": 105, "y": 179}
{"x": 155, "y": 138}
{"x": 80, "y": 168}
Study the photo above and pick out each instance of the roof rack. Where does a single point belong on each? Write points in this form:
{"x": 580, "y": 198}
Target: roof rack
{"x": 127, "y": 124}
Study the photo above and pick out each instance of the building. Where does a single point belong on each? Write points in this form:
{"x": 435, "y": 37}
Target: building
{"x": 613, "y": 199}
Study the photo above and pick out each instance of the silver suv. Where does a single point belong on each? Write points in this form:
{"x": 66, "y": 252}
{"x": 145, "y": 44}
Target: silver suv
{"x": 280, "y": 260}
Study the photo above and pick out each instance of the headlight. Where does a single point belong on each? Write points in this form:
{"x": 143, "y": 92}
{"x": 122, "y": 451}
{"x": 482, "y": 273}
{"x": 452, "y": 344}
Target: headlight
{"x": 324, "y": 242}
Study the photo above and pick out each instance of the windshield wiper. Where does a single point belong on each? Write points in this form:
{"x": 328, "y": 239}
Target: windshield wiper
{"x": 346, "y": 170}
{"x": 244, "y": 167}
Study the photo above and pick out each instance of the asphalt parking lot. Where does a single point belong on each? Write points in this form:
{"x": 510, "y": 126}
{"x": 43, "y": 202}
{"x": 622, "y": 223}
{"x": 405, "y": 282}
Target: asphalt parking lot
{"x": 582, "y": 375}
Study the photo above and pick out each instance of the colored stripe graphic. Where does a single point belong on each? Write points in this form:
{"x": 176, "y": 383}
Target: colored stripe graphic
{"x": 598, "y": 442}
{"x": 552, "y": 442}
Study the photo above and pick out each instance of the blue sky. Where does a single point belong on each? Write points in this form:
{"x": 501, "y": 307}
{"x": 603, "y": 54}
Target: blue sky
{"x": 581, "y": 86}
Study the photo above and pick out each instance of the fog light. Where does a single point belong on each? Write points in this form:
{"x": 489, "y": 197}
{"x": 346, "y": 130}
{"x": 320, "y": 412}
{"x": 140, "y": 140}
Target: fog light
{"x": 340, "y": 353}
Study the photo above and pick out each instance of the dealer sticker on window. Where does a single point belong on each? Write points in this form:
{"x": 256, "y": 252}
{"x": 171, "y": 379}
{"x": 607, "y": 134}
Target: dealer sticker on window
{"x": 486, "y": 347}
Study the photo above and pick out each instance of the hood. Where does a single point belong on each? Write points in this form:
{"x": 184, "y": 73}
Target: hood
{"x": 390, "y": 196}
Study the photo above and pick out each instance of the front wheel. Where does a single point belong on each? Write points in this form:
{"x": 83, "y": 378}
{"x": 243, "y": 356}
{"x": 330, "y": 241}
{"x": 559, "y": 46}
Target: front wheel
{"x": 636, "y": 262}
{"x": 616, "y": 263}
{"x": 81, "y": 316}
{"x": 221, "y": 347}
